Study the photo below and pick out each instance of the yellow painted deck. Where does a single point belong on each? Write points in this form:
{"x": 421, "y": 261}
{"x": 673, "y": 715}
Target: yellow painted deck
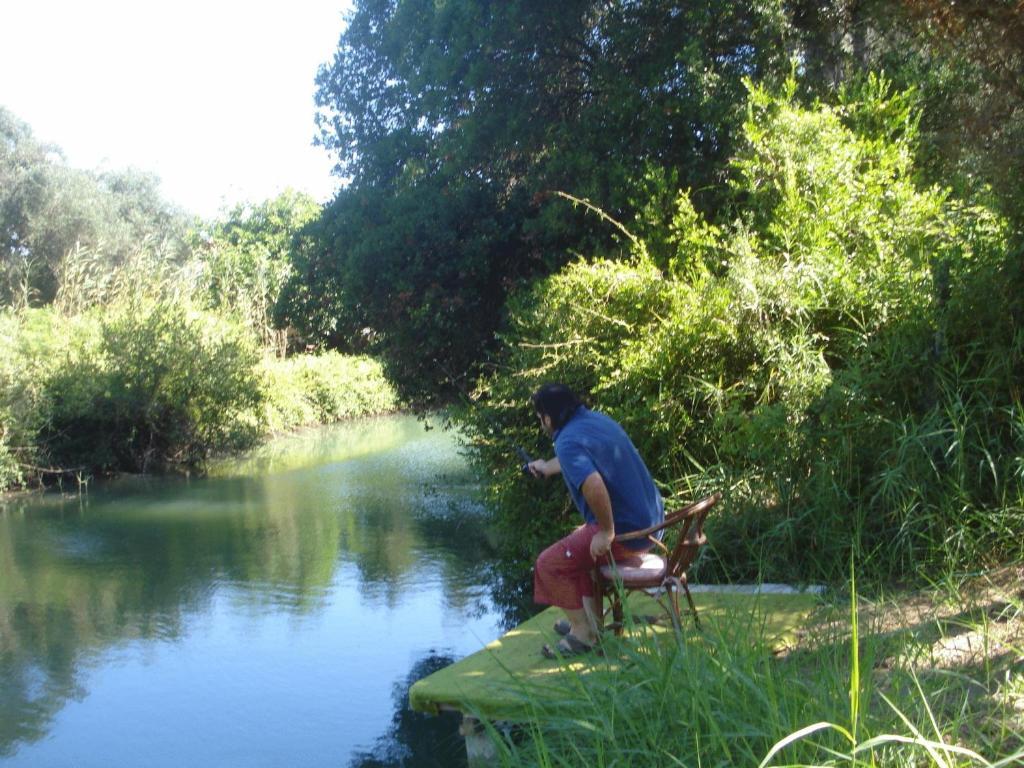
{"x": 499, "y": 680}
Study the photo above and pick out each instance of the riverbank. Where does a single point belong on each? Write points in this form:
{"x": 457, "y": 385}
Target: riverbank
{"x": 158, "y": 385}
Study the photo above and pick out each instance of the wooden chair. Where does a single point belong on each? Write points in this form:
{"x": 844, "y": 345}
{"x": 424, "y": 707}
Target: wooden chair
{"x": 652, "y": 572}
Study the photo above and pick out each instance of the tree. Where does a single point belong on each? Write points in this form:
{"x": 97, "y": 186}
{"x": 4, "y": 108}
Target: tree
{"x": 455, "y": 121}
{"x": 49, "y": 210}
{"x": 441, "y": 110}
{"x": 25, "y": 189}
{"x": 965, "y": 61}
{"x": 247, "y": 258}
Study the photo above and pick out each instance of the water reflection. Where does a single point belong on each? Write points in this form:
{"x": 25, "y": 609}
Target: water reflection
{"x": 416, "y": 740}
{"x": 266, "y": 607}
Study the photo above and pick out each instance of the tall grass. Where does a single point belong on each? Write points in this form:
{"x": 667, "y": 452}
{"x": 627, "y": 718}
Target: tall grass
{"x": 852, "y": 697}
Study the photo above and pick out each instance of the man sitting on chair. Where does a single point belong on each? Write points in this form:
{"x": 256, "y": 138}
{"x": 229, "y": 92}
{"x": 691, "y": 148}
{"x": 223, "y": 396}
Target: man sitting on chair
{"x": 614, "y": 492}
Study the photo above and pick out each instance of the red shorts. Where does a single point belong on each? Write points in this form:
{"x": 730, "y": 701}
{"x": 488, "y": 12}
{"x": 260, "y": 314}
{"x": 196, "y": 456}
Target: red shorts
{"x": 563, "y": 573}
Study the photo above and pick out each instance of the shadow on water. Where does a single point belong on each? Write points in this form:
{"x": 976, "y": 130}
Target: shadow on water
{"x": 416, "y": 740}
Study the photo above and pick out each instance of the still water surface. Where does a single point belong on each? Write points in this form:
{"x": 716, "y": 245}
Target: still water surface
{"x": 271, "y": 614}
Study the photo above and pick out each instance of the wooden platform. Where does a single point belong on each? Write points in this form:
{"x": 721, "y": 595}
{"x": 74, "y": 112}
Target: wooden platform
{"x": 498, "y": 681}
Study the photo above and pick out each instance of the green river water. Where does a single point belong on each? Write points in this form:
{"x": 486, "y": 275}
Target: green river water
{"x": 273, "y": 613}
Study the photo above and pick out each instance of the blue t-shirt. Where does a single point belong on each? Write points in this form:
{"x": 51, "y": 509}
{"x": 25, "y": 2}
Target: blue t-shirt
{"x": 592, "y": 442}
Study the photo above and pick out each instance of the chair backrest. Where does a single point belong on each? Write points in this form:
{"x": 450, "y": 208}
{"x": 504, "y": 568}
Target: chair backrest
{"x": 691, "y": 533}
{"x": 690, "y": 520}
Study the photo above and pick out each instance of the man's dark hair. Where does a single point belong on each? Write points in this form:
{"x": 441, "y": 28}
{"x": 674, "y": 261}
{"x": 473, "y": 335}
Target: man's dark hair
{"x": 557, "y": 402}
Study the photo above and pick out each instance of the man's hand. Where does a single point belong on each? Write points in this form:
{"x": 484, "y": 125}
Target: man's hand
{"x": 544, "y": 468}
{"x": 600, "y": 544}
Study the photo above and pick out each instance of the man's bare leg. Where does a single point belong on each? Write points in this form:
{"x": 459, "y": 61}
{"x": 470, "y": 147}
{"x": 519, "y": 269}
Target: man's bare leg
{"x": 581, "y": 621}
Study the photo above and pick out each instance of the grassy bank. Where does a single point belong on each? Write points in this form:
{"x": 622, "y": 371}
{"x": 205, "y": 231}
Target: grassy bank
{"x": 925, "y": 678}
{"x": 153, "y": 384}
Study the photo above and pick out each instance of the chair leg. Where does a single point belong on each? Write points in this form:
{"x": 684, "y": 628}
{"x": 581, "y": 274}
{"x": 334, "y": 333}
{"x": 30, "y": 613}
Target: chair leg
{"x": 670, "y": 588}
{"x": 616, "y": 596}
{"x": 677, "y": 617}
{"x": 599, "y": 592}
{"x": 689, "y": 599}
{"x": 617, "y": 618}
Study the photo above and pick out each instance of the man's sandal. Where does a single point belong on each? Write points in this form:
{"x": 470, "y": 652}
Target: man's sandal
{"x": 569, "y": 645}
{"x": 563, "y": 627}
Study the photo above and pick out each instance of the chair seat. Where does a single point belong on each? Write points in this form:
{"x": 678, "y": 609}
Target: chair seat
{"x": 642, "y": 571}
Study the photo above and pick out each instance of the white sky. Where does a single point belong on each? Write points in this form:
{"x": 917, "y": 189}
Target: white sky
{"x": 214, "y": 96}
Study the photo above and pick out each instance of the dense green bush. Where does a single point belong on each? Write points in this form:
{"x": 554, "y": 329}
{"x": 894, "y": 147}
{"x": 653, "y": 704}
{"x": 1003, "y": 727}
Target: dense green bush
{"x": 27, "y": 352}
{"x": 839, "y": 355}
{"x": 320, "y": 389}
{"x": 153, "y": 383}
{"x": 148, "y": 384}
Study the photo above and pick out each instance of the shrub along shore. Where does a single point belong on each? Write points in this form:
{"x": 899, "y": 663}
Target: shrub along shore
{"x": 837, "y": 352}
{"x": 157, "y": 383}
